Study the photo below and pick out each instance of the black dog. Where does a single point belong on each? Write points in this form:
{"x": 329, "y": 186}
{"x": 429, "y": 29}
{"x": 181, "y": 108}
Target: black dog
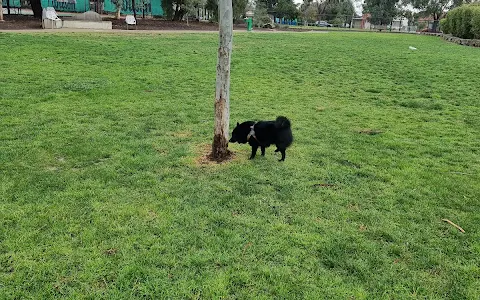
{"x": 264, "y": 134}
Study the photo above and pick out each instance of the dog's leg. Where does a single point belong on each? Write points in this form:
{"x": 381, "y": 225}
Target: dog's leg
{"x": 263, "y": 150}
{"x": 283, "y": 154}
{"x": 254, "y": 151}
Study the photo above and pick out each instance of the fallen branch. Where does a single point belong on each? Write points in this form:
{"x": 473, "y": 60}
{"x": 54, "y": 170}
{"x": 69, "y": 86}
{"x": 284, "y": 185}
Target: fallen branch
{"x": 454, "y": 225}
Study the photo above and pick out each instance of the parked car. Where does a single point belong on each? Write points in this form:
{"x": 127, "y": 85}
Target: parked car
{"x": 323, "y": 24}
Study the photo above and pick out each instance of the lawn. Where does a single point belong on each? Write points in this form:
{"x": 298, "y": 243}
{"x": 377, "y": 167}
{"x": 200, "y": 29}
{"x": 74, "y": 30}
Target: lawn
{"x": 104, "y": 193}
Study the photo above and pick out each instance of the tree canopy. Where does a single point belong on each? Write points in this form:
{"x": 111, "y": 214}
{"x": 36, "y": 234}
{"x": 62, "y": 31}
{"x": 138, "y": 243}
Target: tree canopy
{"x": 382, "y": 12}
{"x": 336, "y": 10}
{"x": 239, "y": 7}
{"x": 280, "y": 8}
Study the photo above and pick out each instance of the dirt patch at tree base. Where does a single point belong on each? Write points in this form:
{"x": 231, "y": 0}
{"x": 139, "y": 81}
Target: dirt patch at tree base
{"x": 204, "y": 156}
{"x": 19, "y": 22}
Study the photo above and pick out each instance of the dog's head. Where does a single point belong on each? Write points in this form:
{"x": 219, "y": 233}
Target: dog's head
{"x": 240, "y": 133}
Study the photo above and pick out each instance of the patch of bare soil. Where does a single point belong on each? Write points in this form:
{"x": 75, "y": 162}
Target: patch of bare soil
{"x": 204, "y": 156}
{"x": 18, "y": 22}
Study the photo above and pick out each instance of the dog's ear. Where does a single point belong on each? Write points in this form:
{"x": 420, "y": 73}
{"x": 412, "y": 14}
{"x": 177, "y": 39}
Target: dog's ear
{"x": 238, "y": 123}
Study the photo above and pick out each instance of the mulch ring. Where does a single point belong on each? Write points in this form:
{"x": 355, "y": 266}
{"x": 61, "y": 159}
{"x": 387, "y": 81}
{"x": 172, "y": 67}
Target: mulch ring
{"x": 204, "y": 157}
{"x": 16, "y": 22}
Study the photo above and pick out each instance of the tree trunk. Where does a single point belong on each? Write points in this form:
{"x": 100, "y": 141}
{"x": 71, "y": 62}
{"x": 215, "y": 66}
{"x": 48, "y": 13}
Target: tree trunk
{"x": 175, "y": 13}
{"x": 117, "y": 14}
{"x": 1, "y": 11}
{"x": 222, "y": 88}
{"x": 436, "y": 17}
{"x": 179, "y": 13}
{"x": 134, "y": 9}
{"x": 37, "y": 8}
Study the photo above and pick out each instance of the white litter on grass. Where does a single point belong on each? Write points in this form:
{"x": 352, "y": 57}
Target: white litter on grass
{"x": 412, "y": 48}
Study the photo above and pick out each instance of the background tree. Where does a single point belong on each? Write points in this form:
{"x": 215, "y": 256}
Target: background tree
{"x": 134, "y": 9}
{"x": 175, "y": 9}
{"x": 239, "y": 7}
{"x": 190, "y": 8}
{"x": 286, "y": 9}
{"x": 260, "y": 15}
{"x": 1, "y": 11}
{"x": 280, "y": 8}
{"x": 36, "y": 8}
{"x": 382, "y": 12}
{"x": 336, "y": 11}
{"x": 118, "y": 5}
{"x": 309, "y": 11}
{"x": 167, "y": 6}
{"x": 409, "y": 15}
{"x": 142, "y": 5}
{"x": 433, "y": 8}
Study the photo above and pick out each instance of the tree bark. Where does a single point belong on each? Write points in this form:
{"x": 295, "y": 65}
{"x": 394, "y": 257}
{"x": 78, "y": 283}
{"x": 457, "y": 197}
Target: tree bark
{"x": 117, "y": 14}
{"x": 37, "y": 8}
{"x": 1, "y": 11}
{"x": 222, "y": 87}
{"x": 179, "y": 13}
{"x": 134, "y": 9}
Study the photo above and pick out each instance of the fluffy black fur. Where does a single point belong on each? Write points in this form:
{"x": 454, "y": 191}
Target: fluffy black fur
{"x": 267, "y": 133}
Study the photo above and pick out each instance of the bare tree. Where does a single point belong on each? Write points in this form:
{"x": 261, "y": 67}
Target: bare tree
{"x": 222, "y": 87}
{"x": 118, "y": 6}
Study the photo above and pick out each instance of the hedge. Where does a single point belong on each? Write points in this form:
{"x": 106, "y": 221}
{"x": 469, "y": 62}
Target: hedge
{"x": 463, "y": 22}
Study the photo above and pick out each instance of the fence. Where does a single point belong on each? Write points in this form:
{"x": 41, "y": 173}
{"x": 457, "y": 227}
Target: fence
{"x": 15, "y": 6}
{"x": 146, "y": 7}
{"x": 78, "y": 6}
{"x": 12, "y": 6}
{"x": 142, "y": 7}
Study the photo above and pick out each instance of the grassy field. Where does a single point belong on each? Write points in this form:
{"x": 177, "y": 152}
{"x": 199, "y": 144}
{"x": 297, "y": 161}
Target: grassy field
{"x": 104, "y": 192}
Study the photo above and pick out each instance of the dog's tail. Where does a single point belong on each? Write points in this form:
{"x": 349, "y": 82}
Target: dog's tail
{"x": 282, "y": 123}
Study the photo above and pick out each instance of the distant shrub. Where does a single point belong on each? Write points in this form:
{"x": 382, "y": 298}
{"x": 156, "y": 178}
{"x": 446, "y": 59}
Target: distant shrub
{"x": 444, "y": 26}
{"x": 463, "y": 21}
{"x": 476, "y": 21}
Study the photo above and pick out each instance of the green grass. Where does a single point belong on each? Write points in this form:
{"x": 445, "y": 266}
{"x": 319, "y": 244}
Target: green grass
{"x": 102, "y": 195}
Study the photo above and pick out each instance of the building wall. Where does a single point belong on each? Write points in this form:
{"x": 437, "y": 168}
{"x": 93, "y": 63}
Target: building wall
{"x": 67, "y": 5}
{"x": 153, "y": 8}
{"x": 13, "y": 3}
{"x": 398, "y": 24}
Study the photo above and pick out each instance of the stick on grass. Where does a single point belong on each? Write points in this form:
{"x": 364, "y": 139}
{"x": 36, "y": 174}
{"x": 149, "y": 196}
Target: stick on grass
{"x": 454, "y": 225}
